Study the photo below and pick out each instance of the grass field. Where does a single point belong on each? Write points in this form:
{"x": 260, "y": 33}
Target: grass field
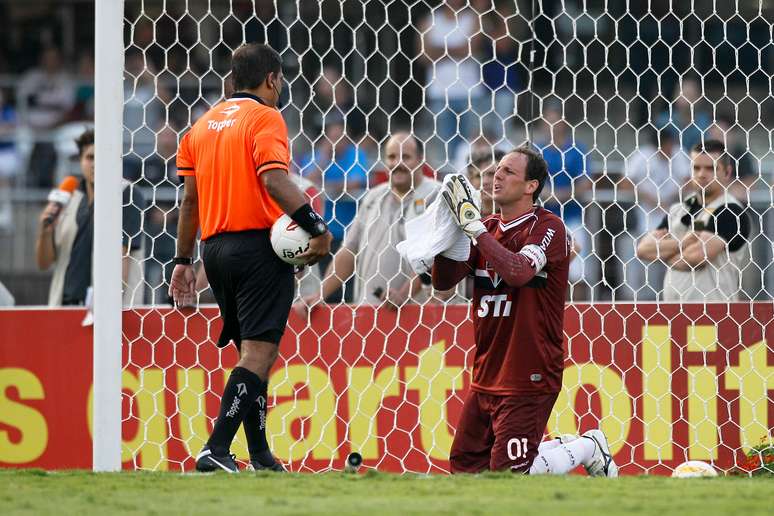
{"x": 39, "y": 492}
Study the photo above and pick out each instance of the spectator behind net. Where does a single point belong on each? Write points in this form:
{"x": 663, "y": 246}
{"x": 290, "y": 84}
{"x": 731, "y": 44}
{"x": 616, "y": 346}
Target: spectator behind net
{"x": 49, "y": 93}
{"x": 745, "y": 167}
{"x": 704, "y": 239}
{"x": 686, "y": 114}
{"x": 566, "y": 158}
{"x": 368, "y": 252}
{"x": 340, "y": 167}
{"x": 449, "y": 32}
{"x": 66, "y": 242}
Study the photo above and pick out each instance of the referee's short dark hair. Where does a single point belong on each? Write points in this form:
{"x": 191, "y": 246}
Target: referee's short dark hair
{"x": 537, "y": 168}
{"x": 713, "y": 147}
{"x": 252, "y": 63}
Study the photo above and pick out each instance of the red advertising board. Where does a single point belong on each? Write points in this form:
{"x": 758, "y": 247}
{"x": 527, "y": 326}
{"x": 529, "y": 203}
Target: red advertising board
{"x": 666, "y": 383}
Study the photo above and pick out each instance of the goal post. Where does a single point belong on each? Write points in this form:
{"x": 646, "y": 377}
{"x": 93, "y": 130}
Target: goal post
{"x": 107, "y": 260}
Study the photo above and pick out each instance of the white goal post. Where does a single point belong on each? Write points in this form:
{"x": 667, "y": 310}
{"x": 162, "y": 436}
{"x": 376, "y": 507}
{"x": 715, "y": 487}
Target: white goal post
{"x": 108, "y": 112}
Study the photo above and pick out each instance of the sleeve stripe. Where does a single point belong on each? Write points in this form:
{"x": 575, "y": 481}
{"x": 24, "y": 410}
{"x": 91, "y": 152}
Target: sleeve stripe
{"x": 262, "y": 165}
{"x": 185, "y": 168}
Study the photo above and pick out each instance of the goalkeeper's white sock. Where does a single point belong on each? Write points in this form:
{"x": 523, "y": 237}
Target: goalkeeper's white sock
{"x": 562, "y": 458}
{"x": 548, "y": 445}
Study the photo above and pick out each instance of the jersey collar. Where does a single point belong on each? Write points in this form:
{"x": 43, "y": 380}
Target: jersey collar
{"x": 505, "y": 226}
{"x": 245, "y": 95}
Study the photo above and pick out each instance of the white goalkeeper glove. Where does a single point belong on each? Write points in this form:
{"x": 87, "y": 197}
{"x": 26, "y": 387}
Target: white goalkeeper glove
{"x": 458, "y": 194}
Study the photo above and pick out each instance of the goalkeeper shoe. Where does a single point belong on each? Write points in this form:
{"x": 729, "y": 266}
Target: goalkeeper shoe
{"x": 208, "y": 461}
{"x": 601, "y": 463}
{"x": 458, "y": 195}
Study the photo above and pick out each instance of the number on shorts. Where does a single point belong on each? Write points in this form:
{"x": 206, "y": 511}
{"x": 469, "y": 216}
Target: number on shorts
{"x": 517, "y": 448}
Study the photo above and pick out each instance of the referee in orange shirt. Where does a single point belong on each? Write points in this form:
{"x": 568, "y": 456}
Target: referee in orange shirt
{"x": 235, "y": 164}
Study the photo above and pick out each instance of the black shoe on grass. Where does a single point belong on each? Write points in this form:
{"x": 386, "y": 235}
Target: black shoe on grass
{"x": 208, "y": 461}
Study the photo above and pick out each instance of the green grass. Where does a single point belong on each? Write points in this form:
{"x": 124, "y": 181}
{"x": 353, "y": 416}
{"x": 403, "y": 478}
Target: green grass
{"x": 39, "y": 492}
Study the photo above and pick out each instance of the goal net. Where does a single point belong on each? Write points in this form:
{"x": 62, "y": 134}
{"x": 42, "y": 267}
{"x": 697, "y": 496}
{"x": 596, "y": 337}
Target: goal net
{"x": 614, "y": 94}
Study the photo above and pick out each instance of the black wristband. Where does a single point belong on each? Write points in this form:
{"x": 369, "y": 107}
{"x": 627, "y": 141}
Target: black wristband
{"x": 309, "y": 220}
{"x": 182, "y": 260}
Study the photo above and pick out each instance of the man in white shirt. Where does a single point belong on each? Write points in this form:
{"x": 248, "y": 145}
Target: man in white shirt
{"x": 703, "y": 240}
{"x": 369, "y": 250}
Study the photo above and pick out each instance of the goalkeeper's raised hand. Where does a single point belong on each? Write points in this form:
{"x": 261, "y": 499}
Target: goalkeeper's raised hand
{"x": 458, "y": 195}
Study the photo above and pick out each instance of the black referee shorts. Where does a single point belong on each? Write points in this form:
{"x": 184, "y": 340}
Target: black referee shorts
{"x": 253, "y": 287}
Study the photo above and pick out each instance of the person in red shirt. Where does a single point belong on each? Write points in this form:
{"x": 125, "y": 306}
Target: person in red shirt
{"x": 235, "y": 163}
{"x": 520, "y": 262}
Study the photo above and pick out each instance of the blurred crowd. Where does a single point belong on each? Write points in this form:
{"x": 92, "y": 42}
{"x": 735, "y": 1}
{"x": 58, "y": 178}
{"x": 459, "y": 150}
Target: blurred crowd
{"x": 467, "y": 81}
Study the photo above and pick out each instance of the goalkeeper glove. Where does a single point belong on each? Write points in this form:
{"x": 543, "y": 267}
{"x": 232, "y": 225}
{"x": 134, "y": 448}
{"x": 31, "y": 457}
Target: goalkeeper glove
{"x": 458, "y": 195}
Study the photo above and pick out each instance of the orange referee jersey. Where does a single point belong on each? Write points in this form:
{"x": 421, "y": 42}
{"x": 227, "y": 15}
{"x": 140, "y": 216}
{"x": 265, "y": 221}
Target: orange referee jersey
{"x": 227, "y": 150}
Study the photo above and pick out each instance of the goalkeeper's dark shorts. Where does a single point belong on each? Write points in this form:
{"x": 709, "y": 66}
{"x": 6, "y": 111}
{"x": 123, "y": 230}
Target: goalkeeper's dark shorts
{"x": 499, "y": 433}
{"x": 253, "y": 287}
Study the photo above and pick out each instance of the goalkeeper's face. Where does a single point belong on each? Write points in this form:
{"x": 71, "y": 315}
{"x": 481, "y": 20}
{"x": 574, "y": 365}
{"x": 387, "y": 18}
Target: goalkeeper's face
{"x": 510, "y": 185}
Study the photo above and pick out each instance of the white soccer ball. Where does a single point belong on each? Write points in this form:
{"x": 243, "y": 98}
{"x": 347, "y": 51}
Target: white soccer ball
{"x": 288, "y": 240}
{"x": 694, "y": 469}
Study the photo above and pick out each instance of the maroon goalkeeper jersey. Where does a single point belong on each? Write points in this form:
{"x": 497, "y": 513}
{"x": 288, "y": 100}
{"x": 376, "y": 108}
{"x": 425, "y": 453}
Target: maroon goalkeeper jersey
{"x": 518, "y": 330}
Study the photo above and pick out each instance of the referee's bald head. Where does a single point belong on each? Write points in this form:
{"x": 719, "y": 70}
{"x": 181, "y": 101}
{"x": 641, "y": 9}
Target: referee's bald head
{"x": 252, "y": 63}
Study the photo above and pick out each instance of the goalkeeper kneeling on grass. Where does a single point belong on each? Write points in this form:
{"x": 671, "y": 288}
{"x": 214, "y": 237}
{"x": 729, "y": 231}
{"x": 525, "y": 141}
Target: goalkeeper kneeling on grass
{"x": 520, "y": 260}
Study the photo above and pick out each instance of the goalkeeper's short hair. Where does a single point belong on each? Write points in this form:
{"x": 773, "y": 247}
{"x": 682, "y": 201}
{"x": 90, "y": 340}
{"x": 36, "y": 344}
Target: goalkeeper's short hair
{"x": 537, "y": 168}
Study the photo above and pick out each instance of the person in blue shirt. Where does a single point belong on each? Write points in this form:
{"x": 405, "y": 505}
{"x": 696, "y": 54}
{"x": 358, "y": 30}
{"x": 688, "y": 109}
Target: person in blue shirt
{"x": 566, "y": 158}
{"x": 685, "y": 114}
{"x": 567, "y": 168}
{"x": 501, "y": 70}
{"x": 340, "y": 168}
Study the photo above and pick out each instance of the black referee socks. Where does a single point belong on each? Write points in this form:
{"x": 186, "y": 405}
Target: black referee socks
{"x": 255, "y": 428}
{"x": 238, "y": 398}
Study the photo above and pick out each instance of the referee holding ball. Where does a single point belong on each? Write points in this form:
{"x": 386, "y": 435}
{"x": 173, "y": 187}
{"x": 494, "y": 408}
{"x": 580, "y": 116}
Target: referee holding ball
{"x": 235, "y": 164}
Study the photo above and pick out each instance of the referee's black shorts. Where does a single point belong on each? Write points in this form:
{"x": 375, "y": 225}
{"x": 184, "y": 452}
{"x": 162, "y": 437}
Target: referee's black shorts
{"x": 253, "y": 287}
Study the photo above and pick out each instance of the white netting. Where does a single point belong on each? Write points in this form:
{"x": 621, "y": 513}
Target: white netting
{"x": 613, "y": 93}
